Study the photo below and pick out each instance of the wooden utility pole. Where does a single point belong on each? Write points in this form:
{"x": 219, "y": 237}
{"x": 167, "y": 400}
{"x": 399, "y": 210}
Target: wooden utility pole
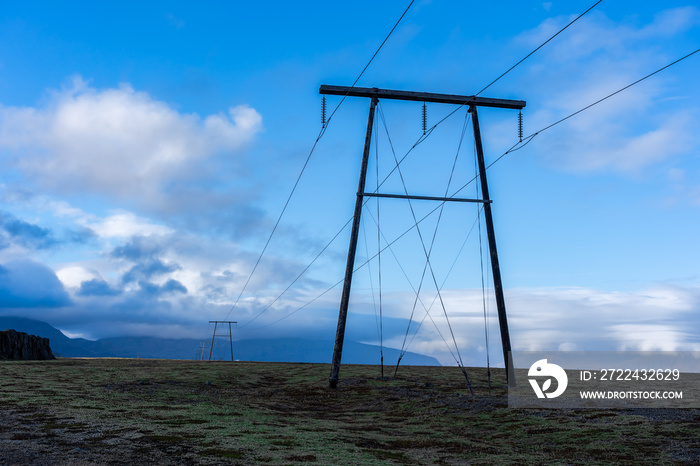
{"x": 473, "y": 102}
{"x": 495, "y": 267}
{"x": 214, "y": 335}
{"x": 345, "y": 299}
{"x": 202, "y": 349}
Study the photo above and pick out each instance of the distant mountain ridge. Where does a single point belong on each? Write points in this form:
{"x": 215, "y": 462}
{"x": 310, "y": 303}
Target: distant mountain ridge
{"x": 277, "y": 350}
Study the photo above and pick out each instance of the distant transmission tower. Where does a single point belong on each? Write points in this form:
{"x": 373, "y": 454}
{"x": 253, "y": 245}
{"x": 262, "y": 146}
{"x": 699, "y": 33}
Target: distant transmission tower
{"x": 201, "y": 350}
{"x": 222, "y": 333}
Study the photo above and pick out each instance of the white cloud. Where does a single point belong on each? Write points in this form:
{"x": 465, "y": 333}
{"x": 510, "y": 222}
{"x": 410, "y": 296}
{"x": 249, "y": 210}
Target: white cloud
{"x": 117, "y": 142}
{"x": 672, "y": 21}
{"x": 559, "y": 319}
{"x": 125, "y": 225}
{"x": 596, "y": 32}
{"x": 638, "y": 128}
{"x": 73, "y": 276}
{"x": 653, "y": 337}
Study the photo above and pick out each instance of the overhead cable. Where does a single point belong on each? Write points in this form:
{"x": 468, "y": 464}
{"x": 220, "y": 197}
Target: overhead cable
{"x": 541, "y": 45}
{"x": 526, "y": 140}
{"x": 306, "y": 163}
{"x": 517, "y": 146}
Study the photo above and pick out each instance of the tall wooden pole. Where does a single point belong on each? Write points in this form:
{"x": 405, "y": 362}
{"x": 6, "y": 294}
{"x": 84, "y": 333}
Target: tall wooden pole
{"x": 495, "y": 268}
{"x": 213, "y": 335}
{"x": 345, "y": 300}
{"x": 230, "y": 339}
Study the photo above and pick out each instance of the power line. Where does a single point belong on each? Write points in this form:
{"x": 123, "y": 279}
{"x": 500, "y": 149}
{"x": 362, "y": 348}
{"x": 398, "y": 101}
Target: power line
{"x": 616, "y": 92}
{"x": 432, "y": 243}
{"x": 541, "y": 45}
{"x": 299, "y": 275}
{"x": 367, "y": 65}
{"x": 515, "y": 147}
{"x": 528, "y": 139}
{"x": 306, "y": 163}
{"x": 422, "y": 242}
{"x": 421, "y": 139}
{"x": 405, "y": 348}
{"x": 410, "y": 284}
{"x": 427, "y": 133}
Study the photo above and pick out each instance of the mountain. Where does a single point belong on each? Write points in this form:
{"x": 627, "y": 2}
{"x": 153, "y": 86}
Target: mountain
{"x": 278, "y": 350}
{"x": 60, "y": 344}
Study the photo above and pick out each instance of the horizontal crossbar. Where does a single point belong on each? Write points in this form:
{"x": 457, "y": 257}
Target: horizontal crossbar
{"x": 426, "y": 198}
{"x": 420, "y": 96}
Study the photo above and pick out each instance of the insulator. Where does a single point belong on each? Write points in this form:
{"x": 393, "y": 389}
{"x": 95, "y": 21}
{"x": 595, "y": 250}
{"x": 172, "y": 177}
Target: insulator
{"x": 425, "y": 118}
{"x": 520, "y": 125}
{"x": 323, "y": 111}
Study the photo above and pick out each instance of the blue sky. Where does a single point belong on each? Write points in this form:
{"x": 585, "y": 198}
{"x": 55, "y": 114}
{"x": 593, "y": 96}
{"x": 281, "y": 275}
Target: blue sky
{"x": 147, "y": 151}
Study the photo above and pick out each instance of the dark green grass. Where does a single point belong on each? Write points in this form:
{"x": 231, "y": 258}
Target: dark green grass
{"x": 284, "y": 413}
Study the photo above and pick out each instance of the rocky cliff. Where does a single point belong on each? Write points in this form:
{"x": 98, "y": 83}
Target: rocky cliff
{"x": 19, "y": 345}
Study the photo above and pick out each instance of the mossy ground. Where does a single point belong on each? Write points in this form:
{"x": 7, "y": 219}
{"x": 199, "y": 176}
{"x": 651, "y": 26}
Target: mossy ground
{"x": 243, "y": 413}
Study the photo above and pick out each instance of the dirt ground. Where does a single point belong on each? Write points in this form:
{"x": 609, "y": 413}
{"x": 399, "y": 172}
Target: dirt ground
{"x": 131, "y": 411}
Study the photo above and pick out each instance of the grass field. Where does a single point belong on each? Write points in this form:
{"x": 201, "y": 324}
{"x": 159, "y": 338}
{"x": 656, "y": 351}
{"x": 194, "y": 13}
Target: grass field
{"x": 111, "y": 411}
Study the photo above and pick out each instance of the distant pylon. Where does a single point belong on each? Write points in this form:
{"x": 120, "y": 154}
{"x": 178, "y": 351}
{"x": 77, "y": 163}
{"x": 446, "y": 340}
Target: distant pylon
{"x": 201, "y": 351}
{"x": 214, "y": 335}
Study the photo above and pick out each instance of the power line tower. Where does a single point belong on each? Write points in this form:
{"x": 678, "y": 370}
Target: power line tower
{"x": 201, "y": 350}
{"x": 222, "y": 333}
{"x": 472, "y": 102}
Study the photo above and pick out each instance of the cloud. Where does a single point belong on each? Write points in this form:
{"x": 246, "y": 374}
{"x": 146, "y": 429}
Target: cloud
{"x": 23, "y": 233}
{"x": 26, "y": 284}
{"x": 615, "y": 136}
{"x": 97, "y": 287}
{"x": 173, "y": 286}
{"x": 596, "y": 33}
{"x": 544, "y": 319}
{"x": 169, "y": 287}
{"x": 73, "y": 276}
{"x": 654, "y": 337}
{"x": 148, "y": 269}
{"x": 672, "y": 22}
{"x": 663, "y": 318}
{"x": 211, "y": 269}
{"x": 138, "y": 248}
{"x": 151, "y": 311}
{"x": 638, "y": 128}
{"x": 18, "y": 233}
{"x": 118, "y": 142}
{"x": 126, "y": 224}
